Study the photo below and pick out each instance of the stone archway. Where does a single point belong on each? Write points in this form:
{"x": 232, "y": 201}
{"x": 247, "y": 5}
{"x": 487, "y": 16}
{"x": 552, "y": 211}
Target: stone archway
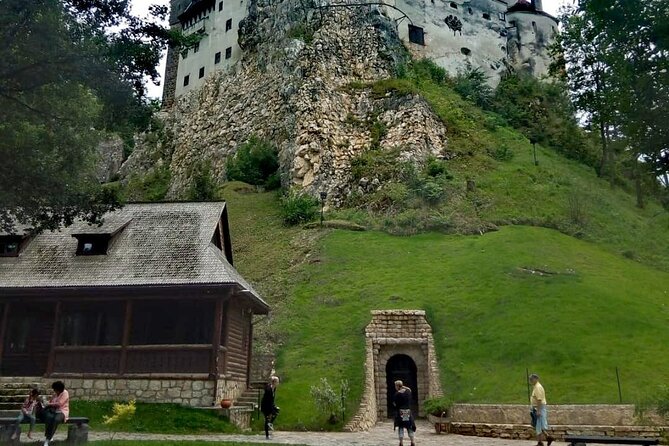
{"x": 401, "y": 367}
{"x": 391, "y": 333}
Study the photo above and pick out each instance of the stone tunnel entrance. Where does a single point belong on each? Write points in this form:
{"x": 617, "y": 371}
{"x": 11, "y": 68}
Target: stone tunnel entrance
{"x": 401, "y": 367}
{"x": 399, "y": 345}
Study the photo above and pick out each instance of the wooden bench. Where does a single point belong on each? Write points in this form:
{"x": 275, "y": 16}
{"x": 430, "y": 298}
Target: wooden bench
{"x": 77, "y": 430}
{"x": 580, "y": 440}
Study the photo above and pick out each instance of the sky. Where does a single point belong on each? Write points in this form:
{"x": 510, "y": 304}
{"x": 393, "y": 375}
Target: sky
{"x": 141, "y": 7}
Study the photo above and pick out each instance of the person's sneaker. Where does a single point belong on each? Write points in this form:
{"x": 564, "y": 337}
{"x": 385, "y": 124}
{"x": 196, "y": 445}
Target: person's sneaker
{"x": 46, "y": 442}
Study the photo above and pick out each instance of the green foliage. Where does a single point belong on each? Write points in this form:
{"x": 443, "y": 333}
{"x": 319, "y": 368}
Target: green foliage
{"x": 256, "y": 162}
{"x": 329, "y": 401}
{"x": 472, "y": 84}
{"x": 375, "y": 163}
{"x": 152, "y": 418}
{"x": 151, "y": 187}
{"x": 435, "y": 167}
{"x": 301, "y": 31}
{"x": 203, "y": 186}
{"x": 502, "y": 153}
{"x": 422, "y": 69}
{"x": 438, "y": 406}
{"x": 298, "y": 207}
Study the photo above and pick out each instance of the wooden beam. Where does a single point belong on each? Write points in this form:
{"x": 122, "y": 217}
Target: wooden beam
{"x": 54, "y": 339}
{"x": 3, "y": 332}
{"x": 223, "y": 368}
{"x": 127, "y": 325}
{"x": 249, "y": 355}
{"x": 216, "y": 338}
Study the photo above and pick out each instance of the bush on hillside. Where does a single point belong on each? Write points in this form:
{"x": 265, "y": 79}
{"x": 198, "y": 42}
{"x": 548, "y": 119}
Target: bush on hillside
{"x": 472, "y": 84}
{"x": 256, "y": 162}
{"x": 329, "y": 401}
{"x": 150, "y": 187}
{"x": 298, "y": 207}
{"x": 203, "y": 187}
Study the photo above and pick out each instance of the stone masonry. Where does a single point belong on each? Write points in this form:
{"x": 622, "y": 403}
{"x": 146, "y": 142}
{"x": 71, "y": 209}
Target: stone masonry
{"x": 393, "y": 332}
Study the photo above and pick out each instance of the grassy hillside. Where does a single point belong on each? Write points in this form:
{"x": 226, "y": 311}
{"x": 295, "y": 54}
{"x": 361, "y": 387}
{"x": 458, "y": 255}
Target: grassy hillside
{"x": 491, "y": 315}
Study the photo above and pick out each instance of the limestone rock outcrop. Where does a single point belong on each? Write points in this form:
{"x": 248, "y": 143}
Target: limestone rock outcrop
{"x": 298, "y": 94}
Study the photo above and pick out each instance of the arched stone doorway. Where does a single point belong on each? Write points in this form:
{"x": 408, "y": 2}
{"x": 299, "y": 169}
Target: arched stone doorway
{"x": 401, "y": 367}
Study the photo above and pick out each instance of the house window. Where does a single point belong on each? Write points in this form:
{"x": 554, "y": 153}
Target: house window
{"x": 416, "y": 35}
{"x": 217, "y": 58}
{"x": 172, "y": 322}
{"x": 454, "y": 5}
{"x": 196, "y": 47}
{"x": 228, "y": 25}
{"x": 10, "y": 246}
{"x": 486, "y": 16}
{"x": 92, "y": 244}
{"x": 228, "y": 52}
{"x": 99, "y": 323}
{"x": 220, "y": 6}
{"x": 201, "y": 74}
{"x": 186, "y": 80}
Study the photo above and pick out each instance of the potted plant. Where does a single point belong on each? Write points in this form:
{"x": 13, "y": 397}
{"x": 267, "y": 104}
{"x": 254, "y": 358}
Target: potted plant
{"x": 439, "y": 412}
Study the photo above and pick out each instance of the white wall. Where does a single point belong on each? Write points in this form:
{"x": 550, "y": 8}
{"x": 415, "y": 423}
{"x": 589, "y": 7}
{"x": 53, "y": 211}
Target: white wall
{"x": 216, "y": 39}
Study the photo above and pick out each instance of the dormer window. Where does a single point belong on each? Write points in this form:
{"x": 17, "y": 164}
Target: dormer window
{"x": 10, "y": 245}
{"x": 92, "y": 244}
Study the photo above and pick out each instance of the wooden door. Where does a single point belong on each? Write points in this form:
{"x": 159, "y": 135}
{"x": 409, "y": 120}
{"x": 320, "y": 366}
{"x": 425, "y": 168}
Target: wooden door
{"x": 28, "y": 339}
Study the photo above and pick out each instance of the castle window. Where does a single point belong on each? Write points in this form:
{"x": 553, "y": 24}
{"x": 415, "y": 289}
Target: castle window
{"x": 217, "y": 58}
{"x": 220, "y": 6}
{"x": 228, "y": 25}
{"x": 228, "y": 52}
{"x": 416, "y": 35}
{"x": 501, "y": 16}
{"x": 201, "y": 75}
{"x": 186, "y": 80}
{"x": 454, "y": 5}
{"x": 465, "y": 51}
{"x": 196, "y": 47}
{"x": 486, "y": 16}
{"x": 470, "y": 10}
{"x": 534, "y": 26}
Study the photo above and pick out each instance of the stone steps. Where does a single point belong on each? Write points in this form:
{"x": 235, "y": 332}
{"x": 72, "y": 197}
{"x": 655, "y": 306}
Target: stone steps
{"x": 13, "y": 393}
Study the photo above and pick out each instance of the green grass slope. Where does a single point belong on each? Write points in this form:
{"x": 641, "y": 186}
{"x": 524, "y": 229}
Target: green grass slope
{"x": 492, "y": 317}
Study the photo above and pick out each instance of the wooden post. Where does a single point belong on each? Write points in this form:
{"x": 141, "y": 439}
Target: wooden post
{"x": 127, "y": 325}
{"x": 249, "y": 352}
{"x": 216, "y": 338}
{"x": 54, "y": 340}
{"x": 3, "y": 332}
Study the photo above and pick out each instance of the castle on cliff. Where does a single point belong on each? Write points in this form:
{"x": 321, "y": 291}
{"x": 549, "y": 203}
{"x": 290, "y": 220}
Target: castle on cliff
{"x": 494, "y": 35}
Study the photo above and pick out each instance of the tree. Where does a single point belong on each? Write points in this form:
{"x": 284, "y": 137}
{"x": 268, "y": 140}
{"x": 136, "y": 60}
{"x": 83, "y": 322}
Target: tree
{"x": 72, "y": 69}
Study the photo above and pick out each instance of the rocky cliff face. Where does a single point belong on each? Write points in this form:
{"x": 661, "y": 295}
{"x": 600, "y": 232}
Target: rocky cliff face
{"x": 296, "y": 92}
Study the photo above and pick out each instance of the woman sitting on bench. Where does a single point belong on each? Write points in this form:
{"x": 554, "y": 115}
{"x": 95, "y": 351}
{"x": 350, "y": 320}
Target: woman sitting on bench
{"x": 56, "y": 411}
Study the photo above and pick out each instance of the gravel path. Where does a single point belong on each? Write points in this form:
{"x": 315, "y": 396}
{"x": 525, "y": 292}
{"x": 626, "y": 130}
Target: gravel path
{"x": 381, "y": 435}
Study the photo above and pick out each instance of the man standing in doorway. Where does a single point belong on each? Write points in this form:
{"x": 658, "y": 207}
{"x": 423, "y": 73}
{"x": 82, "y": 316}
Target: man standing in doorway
{"x": 538, "y": 402}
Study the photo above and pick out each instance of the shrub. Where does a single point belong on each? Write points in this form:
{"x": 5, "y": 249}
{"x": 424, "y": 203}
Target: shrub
{"x": 438, "y": 406}
{"x": 298, "y": 207}
{"x": 151, "y": 187}
{"x": 329, "y": 401}
{"x": 502, "y": 153}
{"x": 472, "y": 85}
{"x": 436, "y": 167}
{"x": 577, "y": 209}
{"x": 431, "y": 191}
{"x": 255, "y": 162}
{"x": 203, "y": 187}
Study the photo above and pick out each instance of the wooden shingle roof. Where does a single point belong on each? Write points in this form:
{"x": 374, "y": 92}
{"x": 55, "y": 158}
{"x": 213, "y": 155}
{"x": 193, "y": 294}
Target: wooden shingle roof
{"x": 152, "y": 244}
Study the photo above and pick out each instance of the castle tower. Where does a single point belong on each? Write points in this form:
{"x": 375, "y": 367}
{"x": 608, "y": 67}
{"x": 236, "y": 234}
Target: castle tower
{"x": 177, "y": 7}
{"x": 531, "y": 33}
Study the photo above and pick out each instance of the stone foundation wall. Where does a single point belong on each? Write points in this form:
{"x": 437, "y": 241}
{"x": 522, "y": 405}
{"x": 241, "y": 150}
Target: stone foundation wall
{"x": 194, "y": 392}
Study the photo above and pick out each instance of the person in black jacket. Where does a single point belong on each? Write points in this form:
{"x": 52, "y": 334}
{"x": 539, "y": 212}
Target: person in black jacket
{"x": 403, "y": 416}
{"x": 267, "y": 405}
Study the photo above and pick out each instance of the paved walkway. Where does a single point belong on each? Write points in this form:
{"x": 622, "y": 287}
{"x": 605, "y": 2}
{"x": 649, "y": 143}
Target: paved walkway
{"x": 381, "y": 435}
